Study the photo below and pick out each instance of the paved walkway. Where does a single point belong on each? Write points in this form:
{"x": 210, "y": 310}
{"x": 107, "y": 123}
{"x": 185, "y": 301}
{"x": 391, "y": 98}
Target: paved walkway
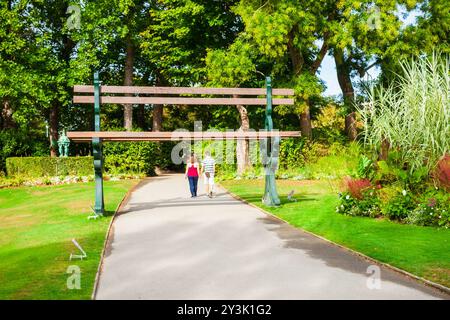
{"x": 166, "y": 245}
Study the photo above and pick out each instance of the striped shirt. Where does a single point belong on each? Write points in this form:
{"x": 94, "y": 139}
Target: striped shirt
{"x": 208, "y": 164}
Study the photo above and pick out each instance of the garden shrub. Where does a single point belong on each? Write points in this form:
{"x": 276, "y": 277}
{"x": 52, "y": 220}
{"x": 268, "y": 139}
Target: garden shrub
{"x": 32, "y": 167}
{"x": 356, "y": 186}
{"x": 131, "y": 157}
{"x": 396, "y": 204}
{"x": 433, "y": 210}
{"x": 365, "y": 168}
{"x": 291, "y": 153}
{"x": 442, "y": 172}
{"x": 20, "y": 142}
{"x": 368, "y": 205}
{"x": 329, "y": 124}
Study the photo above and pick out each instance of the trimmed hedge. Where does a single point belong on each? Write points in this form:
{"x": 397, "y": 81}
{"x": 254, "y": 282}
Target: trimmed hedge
{"x": 34, "y": 167}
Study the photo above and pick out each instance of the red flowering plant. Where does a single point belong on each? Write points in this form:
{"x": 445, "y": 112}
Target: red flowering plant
{"x": 358, "y": 198}
{"x": 442, "y": 172}
{"x": 356, "y": 187}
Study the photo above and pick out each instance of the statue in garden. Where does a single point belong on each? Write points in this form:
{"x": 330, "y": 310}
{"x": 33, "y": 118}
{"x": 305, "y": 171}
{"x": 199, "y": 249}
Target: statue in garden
{"x": 63, "y": 145}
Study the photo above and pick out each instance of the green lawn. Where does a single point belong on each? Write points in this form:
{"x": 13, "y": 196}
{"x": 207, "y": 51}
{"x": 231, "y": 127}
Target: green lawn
{"x": 424, "y": 251}
{"x": 36, "y": 228}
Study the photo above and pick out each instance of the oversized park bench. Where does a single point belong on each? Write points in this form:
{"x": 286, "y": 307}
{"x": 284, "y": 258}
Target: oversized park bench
{"x": 269, "y": 138}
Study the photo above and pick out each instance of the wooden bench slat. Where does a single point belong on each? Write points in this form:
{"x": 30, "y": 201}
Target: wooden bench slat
{"x": 183, "y": 101}
{"x": 86, "y": 136}
{"x": 181, "y": 90}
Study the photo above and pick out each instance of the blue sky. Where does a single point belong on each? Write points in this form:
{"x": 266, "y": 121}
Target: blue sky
{"x": 327, "y": 72}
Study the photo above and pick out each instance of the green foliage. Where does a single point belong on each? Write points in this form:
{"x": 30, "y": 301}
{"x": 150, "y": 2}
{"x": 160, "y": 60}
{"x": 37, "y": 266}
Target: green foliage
{"x": 367, "y": 206}
{"x": 291, "y": 153}
{"x": 17, "y": 142}
{"x": 33, "y": 167}
{"x": 130, "y": 157}
{"x": 393, "y": 170}
{"x": 398, "y": 206}
{"x": 179, "y": 33}
{"x": 433, "y": 209}
{"x": 232, "y": 67}
{"x": 329, "y": 124}
{"x": 365, "y": 168}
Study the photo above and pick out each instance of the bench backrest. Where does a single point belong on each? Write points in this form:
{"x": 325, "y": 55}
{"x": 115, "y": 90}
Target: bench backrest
{"x": 182, "y": 95}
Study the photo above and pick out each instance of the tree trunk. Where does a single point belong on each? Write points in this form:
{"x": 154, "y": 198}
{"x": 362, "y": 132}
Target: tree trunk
{"x": 294, "y": 53}
{"x": 242, "y": 146}
{"x": 384, "y": 152}
{"x": 140, "y": 121}
{"x": 350, "y": 126}
{"x": 345, "y": 82}
{"x": 297, "y": 61}
{"x": 157, "y": 117}
{"x": 128, "y": 81}
{"x": 7, "y": 115}
{"x": 158, "y": 109}
{"x": 53, "y": 122}
{"x": 305, "y": 124}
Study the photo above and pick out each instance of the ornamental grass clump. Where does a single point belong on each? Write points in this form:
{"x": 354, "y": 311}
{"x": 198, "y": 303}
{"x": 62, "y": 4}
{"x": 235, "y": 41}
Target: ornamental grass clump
{"x": 412, "y": 115}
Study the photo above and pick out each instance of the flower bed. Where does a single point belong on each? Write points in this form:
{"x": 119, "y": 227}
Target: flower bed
{"x": 58, "y": 180}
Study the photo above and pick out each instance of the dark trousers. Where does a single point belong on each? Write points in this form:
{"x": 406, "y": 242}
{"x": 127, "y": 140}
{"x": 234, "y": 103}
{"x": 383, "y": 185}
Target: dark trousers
{"x": 193, "y": 181}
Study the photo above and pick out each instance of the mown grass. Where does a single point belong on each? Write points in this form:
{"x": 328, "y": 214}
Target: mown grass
{"x": 423, "y": 251}
{"x": 37, "y": 225}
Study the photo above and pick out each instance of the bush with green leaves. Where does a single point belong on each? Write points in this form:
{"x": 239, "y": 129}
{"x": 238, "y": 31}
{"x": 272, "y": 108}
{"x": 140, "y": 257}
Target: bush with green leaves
{"x": 433, "y": 210}
{"x": 329, "y": 124}
{"x": 34, "y": 167}
{"x": 367, "y": 206}
{"x": 21, "y": 142}
{"x": 396, "y": 204}
{"x": 292, "y": 153}
{"x": 131, "y": 157}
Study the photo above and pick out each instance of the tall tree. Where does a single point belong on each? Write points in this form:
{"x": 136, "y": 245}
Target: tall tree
{"x": 286, "y": 33}
{"x": 176, "y": 40}
{"x": 235, "y": 67}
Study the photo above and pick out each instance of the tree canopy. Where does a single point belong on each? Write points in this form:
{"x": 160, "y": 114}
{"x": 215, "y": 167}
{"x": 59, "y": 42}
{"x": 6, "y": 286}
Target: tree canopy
{"x": 47, "y": 46}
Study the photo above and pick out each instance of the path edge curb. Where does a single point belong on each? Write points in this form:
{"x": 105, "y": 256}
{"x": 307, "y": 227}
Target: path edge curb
{"x": 108, "y": 234}
{"x": 430, "y": 283}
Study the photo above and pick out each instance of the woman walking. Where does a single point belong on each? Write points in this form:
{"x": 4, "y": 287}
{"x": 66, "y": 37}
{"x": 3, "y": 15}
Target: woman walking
{"x": 192, "y": 170}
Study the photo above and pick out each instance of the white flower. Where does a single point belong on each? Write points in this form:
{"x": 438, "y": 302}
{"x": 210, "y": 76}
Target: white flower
{"x": 347, "y": 197}
{"x": 342, "y": 206}
{"x": 404, "y": 192}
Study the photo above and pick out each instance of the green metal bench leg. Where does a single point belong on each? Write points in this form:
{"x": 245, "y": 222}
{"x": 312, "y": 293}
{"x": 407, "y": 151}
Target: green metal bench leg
{"x": 99, "y": 206}
{"x": 270, "y": 151}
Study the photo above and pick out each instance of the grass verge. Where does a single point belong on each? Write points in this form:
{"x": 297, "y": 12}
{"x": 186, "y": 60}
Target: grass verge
{"x": 37, "y": 225}
{"x": 423, "y": 251}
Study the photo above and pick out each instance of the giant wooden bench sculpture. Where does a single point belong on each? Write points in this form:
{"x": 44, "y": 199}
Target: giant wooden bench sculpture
{"x": 269, "y": 138}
